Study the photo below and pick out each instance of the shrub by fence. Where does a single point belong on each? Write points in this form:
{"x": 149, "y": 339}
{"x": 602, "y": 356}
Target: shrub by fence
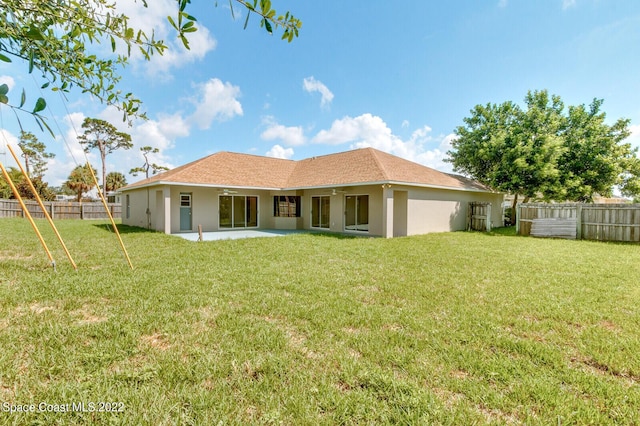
{"x": 60, "y": 209}
{"x": 603, "y": 222}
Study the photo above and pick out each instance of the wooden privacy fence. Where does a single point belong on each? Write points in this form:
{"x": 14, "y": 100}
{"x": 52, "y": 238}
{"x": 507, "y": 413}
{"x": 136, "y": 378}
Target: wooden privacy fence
{"x": 479, "y": 216}
{"x": 60, "y": 209}
{"x": 602, "y": 222}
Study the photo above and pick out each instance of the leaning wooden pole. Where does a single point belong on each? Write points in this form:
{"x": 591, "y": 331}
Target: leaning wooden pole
{"x": 44, "y": 209}
{"x": 106, "y": 208}
{"x": 27, "y": 214}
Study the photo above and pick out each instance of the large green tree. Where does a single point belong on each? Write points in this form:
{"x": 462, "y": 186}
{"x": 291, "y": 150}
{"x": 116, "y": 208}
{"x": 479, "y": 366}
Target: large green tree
{"x": 596, "y": 158}
{"x": 34, "y": 154}
{"x": 103, "y": 136}
{"x": 58, "y": 38}
{"x": 545, "y": 151}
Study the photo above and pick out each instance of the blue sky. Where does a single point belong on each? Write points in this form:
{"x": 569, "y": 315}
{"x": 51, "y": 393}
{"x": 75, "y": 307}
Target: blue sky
{"x": 396, "y": 76}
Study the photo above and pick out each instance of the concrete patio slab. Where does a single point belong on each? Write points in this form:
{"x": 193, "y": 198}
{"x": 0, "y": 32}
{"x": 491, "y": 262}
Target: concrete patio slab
{"x": 240, "y": 233}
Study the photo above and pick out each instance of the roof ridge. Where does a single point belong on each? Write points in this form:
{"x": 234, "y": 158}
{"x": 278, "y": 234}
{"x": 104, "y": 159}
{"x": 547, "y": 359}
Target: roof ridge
{"x": 381, "y": 167}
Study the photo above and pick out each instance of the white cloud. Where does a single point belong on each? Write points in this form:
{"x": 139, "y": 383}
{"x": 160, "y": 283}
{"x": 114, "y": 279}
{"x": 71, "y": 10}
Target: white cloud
{"x": 371, "y": 131}
{"x": 218, "y": 101}
{"x": 153, "y": 20}
{"x": 566, "y": 4}
{"x": 365, "y": 127}
{"x": 278, "y": 151}
{"x": 290, "y": 136}
{"x": 8, "y": 80}
{"x": 7, "y": 138}
{"x": 310, "y": 84}
{"x": 69, "y": 152}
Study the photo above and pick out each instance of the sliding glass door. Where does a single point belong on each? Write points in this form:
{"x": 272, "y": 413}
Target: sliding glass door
{"x": 356, "y": 213}
{"x": 238, "y": 211}
{"x": 320, "y": 207}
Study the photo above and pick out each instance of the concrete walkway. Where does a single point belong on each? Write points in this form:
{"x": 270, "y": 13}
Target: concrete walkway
{"x": 240, "y": 233}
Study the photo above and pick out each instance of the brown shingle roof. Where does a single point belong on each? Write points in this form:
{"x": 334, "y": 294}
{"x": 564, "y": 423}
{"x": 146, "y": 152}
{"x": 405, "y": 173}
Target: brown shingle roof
{"x": 360, "y": 166}
{"x": 228, "y": 169}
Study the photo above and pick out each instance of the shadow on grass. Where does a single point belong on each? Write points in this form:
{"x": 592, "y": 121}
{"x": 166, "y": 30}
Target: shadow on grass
{"x": 124, "y": 229}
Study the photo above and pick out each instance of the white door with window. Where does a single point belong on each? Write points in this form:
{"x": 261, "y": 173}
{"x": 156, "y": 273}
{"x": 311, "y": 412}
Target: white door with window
{"x": 186, "y": 223}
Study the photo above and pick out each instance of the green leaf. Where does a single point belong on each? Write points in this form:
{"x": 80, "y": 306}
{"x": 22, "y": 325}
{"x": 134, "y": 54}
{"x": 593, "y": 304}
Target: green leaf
{"x": 267, "y": 25}
{"x": 34, "y": 34}
{"x": 40, "y": 105}
{"x": 246, "y": 22}
{"x": 172, "y": 22}
{"x": 23, "y": 99}
{"x": 4, "y": 89}
{"x": 4, "y": 58}
{"x": 4, "y": 99}
{"x": 32, "y": 56}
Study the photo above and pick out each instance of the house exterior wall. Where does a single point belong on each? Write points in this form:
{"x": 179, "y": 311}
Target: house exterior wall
{"x": 394, "y": 210}
{"x": 337, "y": 208}
{"x": 136, "y": 212}
{"x": 205, "y": 204}
{"x": 441, "y": 210}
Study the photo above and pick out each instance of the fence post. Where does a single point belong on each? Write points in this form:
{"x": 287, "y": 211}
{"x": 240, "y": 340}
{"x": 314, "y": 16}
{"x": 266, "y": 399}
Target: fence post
{"x": 517, "y": 216}
{"x": 81, "y": 211}
{"x": 578, "y": 221}
{"x": 488, "y": 217}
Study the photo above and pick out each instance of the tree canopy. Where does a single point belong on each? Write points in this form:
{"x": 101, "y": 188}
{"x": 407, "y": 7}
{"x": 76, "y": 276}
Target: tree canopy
{"x": 546, "y": 151}
{"x": 115, "y": 181}
{"x": 34, "y": 154}
{"x": 57, "y": 38}
{"x": 148, "y": 166}
{"x": 103, "y": 136}
{"x": 22, "y": 186}
{"x": 80, "y": 181}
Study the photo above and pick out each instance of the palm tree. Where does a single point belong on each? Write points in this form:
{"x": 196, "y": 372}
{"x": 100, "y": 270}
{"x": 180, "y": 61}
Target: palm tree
{"x": 80, "y": 181}
{"x": 115, "y": 181}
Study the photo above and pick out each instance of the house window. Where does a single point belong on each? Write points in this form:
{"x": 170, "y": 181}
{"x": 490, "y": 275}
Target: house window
{"x": 320, "y": 207}
{"x": 356, "y": 213}
{"x": 127, "y": 206}
{"x": 238, "y": 211}
{"x": 286, "y": 206}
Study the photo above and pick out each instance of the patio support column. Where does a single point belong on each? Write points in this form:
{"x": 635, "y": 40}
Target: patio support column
{"x": 387, "y": 211}
{"x": 166, "y": 195}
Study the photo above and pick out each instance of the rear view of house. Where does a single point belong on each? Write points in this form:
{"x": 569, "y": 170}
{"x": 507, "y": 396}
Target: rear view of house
{"x": 362, "y": 192}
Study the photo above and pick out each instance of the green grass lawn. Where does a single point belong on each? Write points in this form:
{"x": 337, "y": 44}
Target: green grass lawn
{"x": 456, "y": 328}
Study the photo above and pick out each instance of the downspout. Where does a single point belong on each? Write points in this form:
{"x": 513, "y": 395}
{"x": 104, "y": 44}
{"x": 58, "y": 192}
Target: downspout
{"x": 148, "y": 212}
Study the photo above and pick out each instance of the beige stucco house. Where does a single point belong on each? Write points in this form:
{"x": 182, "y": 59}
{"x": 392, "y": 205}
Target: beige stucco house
{"x": 363, "y": 192}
